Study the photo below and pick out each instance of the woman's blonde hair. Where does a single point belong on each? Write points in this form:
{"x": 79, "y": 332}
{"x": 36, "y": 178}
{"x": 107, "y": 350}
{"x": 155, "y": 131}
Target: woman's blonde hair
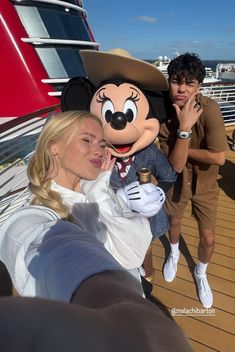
{"x": 43, "y": 163}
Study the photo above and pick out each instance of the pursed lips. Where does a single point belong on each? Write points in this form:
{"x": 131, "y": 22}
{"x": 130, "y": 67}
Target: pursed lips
{"x": 96, "y": 163}
{"x": 180, "y": 97}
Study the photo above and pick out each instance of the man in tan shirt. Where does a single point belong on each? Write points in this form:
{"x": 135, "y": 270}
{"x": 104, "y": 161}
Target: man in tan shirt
{"x": 194, "y": 141}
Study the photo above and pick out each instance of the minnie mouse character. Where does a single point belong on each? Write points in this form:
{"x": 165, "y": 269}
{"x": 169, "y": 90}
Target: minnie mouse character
{"x": 126, "y": 94}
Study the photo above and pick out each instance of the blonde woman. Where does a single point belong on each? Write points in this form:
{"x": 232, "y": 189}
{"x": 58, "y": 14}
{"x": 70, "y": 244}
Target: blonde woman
{"x": 52, "y": 245}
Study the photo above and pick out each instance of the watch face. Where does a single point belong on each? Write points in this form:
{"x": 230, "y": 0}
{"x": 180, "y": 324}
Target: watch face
{"x": 184, "y": 134}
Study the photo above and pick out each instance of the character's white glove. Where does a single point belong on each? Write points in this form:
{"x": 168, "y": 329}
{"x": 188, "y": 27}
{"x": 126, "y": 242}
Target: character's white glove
{"x": 146, "y": 199}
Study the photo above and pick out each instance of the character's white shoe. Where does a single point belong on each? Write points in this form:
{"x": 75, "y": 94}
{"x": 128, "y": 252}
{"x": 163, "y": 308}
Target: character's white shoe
{"x": 204, "y": 290}
{"x": 170, "y": 268}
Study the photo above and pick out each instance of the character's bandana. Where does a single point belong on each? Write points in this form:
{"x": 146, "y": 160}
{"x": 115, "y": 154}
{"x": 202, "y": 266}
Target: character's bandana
{"x": 124, "y": 166}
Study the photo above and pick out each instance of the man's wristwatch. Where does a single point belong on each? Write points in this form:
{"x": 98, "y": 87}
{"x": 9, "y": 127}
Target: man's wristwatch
{"x": 184, "y": 134}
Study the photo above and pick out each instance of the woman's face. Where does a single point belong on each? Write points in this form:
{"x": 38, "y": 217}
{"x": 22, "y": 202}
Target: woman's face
{"x": 79, "y": 154}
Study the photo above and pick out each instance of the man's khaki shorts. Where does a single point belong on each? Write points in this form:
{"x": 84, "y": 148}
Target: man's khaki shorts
{"x": 204, "y": 208}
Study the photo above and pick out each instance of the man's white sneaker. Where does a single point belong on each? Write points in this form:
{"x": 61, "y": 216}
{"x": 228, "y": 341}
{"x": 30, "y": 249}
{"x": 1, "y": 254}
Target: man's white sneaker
{"x": 204, "y": 290}
{"x": 170, "y": 267}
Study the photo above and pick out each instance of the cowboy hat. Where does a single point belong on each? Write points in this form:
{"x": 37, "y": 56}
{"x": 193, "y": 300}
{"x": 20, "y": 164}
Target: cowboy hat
{"x": 102, "y": 66}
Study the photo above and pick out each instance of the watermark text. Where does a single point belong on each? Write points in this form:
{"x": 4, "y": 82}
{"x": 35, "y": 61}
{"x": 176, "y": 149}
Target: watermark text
{"x": 193, "y": 311}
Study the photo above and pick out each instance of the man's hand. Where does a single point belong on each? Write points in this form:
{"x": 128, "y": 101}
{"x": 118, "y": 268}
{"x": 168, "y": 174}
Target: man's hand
{"x": 146, "y": 199}
{"x": 189, "y": 114}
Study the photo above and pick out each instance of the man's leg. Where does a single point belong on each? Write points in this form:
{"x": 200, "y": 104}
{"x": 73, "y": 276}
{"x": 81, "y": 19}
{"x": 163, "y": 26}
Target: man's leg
{"x": 205, "y": 250}
{"x": 147, "y": 280}
{"x": 148, "y": 264}
{"x": 206, "y": 244}
{"x": 170, "y": 267}
{"x": 174, "y": 231}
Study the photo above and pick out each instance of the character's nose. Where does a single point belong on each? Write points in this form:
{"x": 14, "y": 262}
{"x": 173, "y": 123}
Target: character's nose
{"x": 118, "y": 120}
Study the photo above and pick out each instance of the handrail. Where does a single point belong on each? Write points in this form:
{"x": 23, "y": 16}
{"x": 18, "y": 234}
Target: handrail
{"x": 21, "y": 119}
{"x": 40, "y": 41}
{"x": 224, "y": 94}
{"x": 54, "y": 80}
{"x": 54, "y": 94}
{"x": 218, "y": 83}
{"x": 17, "y": 142}
{"x": 60, "y": 3}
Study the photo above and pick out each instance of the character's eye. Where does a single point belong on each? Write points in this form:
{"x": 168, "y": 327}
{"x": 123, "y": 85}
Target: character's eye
{"x": 107, "y": 110}
{"x": 130, "y": 110}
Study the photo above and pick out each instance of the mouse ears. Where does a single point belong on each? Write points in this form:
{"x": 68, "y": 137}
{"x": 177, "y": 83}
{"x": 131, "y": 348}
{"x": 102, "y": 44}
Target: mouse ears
{"x": 160, "y": 105}
{"x": 77, "y": 94}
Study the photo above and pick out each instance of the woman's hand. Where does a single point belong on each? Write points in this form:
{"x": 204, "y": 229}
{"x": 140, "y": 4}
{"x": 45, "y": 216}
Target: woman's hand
{"x": 108, "y": 162}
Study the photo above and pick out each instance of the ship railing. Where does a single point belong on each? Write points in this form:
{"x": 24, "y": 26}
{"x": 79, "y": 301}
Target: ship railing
{"x": 17, "y": 142}
{"x": 224, "y": 94}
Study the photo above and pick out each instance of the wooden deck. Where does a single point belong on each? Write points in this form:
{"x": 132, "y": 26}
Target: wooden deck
{"x": 215, "y": 329}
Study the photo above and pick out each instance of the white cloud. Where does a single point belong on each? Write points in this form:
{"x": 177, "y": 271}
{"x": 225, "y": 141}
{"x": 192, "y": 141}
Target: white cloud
{"x": 148, "y": 19}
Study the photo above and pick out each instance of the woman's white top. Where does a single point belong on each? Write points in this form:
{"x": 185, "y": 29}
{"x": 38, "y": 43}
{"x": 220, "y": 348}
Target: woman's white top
{"x": 49, "y": 257}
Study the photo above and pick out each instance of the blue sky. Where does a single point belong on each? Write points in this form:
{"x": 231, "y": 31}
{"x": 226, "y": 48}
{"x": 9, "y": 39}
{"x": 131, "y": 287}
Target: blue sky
{"x": 150, "y": 28}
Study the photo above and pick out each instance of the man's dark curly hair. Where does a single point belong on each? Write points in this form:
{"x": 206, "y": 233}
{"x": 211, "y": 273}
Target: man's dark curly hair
{"x": 187, "y": 66}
